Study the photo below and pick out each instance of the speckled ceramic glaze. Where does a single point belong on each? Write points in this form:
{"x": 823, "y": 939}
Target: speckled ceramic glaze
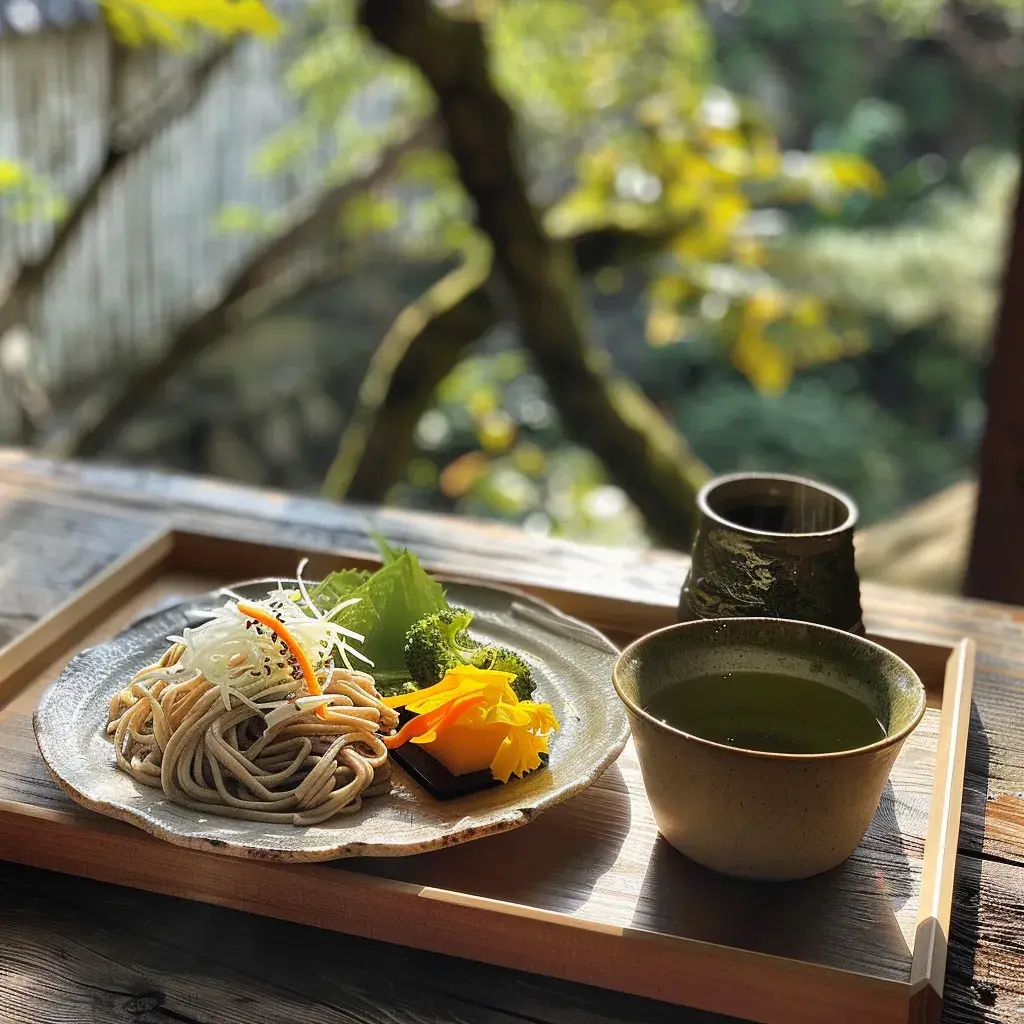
{"x": 750, "y": 813}
{"x": 802, "y": 568}
{"x": 572, "y": 664}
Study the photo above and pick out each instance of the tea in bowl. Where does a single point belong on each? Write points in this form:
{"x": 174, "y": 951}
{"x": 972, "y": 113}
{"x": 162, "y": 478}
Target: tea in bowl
{"x": 765, "y": 744}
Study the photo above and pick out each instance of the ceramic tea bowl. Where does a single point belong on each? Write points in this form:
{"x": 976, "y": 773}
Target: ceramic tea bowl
{"x": 751, "y": 813}
{"x": 773, "y": 545}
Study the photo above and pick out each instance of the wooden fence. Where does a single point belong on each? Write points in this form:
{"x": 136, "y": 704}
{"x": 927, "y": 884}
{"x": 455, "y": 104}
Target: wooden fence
{"x": 149, "y": 244}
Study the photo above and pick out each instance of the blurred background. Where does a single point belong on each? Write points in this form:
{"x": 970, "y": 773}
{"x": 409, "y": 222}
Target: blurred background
{"x": 236, "y": 239}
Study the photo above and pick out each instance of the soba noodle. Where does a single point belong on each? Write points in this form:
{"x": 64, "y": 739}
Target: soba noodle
{"x": 268, "y": 751}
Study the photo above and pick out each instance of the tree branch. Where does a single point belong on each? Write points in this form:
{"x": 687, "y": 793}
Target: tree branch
{"x": 638, "y": 447}
{"x": 423, "y": 345}
{"x": 430, "y": 337}
{"x": 263, "y": 280}
{"x": 120, "y": 147}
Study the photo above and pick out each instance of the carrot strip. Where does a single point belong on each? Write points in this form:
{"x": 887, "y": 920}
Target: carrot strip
{"x": 268, "y": 620}
{"x": 438, "y": 718}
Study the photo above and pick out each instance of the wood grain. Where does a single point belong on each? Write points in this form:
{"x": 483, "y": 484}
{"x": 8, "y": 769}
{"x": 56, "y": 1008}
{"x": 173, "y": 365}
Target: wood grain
{"x": 206, "y": 964}
{"x": 48, "y": 551}
{"x": 986, "y": 959}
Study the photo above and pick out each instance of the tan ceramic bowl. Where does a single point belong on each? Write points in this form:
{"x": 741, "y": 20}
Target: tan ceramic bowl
{"x": 750, "y": 813}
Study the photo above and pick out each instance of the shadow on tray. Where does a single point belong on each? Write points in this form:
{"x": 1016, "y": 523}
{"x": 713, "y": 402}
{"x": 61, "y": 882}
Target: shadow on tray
{"x": 554, "y": 862}
{"x": 849, "y": 917}
{"x": 860, "y": 916}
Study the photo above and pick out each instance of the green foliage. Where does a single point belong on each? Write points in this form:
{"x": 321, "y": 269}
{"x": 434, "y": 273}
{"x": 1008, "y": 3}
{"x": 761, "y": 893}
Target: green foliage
{"x": 354, "y": 97}
{"x": 636, "y": 79}
{"x": 492, "y": 447}
{"x": 919, "y": 17}
{"x": 842, "y": 438}
{"x": 243, "y": 218}
{"x": 787, "y": 261}
{"x": 942, "y": 270}
{"x": 890, "y": 427}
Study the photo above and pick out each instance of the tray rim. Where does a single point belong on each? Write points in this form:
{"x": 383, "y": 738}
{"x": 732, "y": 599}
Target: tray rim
{"x": 917, "y": 999}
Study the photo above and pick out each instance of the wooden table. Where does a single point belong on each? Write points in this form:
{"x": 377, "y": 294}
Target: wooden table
{"x": 79, "y": 951}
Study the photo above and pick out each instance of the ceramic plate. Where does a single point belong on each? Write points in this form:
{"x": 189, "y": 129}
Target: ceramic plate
{"x": 573, "y": 667}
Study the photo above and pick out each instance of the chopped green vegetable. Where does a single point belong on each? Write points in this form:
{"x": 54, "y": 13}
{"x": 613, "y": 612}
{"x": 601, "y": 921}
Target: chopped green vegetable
{"x": 440, "y": 642}
{"x": 391, "y": 600}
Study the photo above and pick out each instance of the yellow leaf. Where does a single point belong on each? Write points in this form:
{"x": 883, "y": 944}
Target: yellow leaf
{"x": 11, "y": 174}
{"x": 496, "y": 431}
{"x": 725, "y": 211}
{"x": 766, "y": 305}
{"x": 655, "y": 110}
{"x": 683, "y": 194}
{"x": 766, "y": 365}
{"x": 749, "y": 252}
{"x": 169, "y": 21}
{"x": 765, "y": 160}
{"x": 481, "y": 402}
{"x": 845, "y": 172}
{"x": 809, "y": 312}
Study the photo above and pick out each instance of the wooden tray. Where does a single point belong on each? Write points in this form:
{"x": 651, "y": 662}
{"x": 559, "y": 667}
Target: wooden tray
{"x": 589, "y": 892}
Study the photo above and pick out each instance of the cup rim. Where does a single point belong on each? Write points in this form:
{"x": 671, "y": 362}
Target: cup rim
{"x": 704, "y": 505}
{"x": 771, "y": 755}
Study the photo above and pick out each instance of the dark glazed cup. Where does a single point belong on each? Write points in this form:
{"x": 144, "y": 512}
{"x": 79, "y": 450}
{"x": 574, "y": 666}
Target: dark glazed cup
{"x": 776, "y": 546}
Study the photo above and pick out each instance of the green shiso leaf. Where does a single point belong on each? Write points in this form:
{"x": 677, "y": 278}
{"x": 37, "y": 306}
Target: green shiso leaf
{"x": 397, "y": 595}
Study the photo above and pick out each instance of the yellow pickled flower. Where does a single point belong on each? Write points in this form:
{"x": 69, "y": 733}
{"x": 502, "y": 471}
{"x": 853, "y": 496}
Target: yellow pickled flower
{"x": 472, "y": 720}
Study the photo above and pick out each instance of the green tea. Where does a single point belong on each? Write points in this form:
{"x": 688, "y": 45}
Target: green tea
{"x": 767, "y": 711}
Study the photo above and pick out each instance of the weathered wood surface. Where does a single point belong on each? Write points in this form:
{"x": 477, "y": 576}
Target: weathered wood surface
{"x": 73, "y": 950}
{"x": 598, "y": 858}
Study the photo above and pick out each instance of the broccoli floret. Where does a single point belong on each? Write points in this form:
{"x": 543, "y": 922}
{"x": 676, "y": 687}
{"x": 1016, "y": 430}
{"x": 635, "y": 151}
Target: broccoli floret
{"x": 440, "y": 642}
{"x": 503, "y": 659}
{"x": 437, "y": 643}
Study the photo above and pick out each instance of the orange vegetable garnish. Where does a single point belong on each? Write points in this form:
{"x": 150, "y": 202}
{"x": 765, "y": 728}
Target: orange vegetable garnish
{"x": 312, "y": 686}
{"x": 473, "y": 720}
{"x": 434, "y": 721}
